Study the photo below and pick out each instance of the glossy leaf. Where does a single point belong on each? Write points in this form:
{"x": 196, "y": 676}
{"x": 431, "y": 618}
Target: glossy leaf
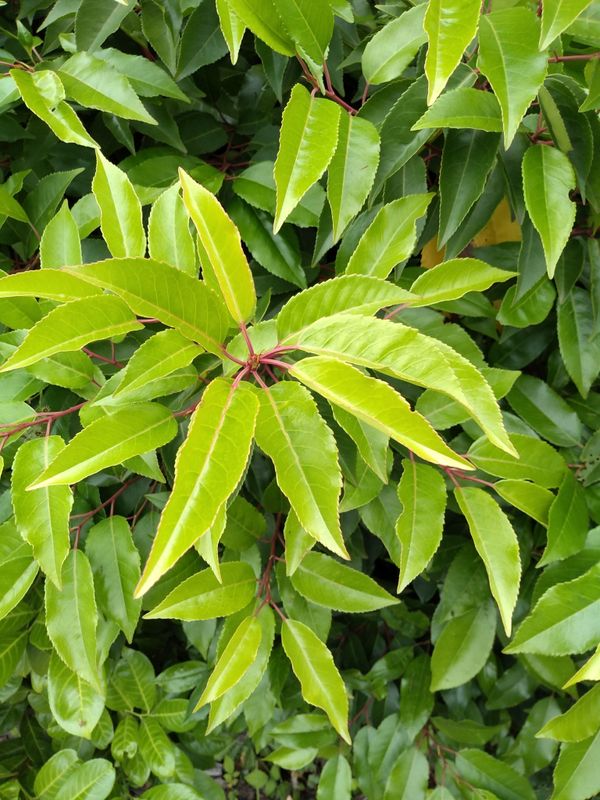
{"x": 76, "y": 705}
{"x": 536, "y": 461}
{"x": 169, "y": 236}
{"x": 120, "y": 210}
{"x": 310, "y": 25}
{"x": 263, "y": 20}
{"x": 568, "y": 521}
{"x": 490, "y": 774}
{"x": 232, "y": 28}
{"x": 557, "y": 15}
{"x": 575, "y": 776}
{"x": 309, "y": 135}
{"x": 93, "y": 780}
{"x": 52, "y": 284}
{"x": 391, "y": 50}
{"x": 320, "y": 681}
{"x": 577, "y": 723}
{"x": 17, "y": 567}
{"x": 408, "y": 778}
{"x": 208, "y": 467}
{"x": 546, "y": 411}
{"x": 533, "y": 500}
{"x": 463, "y": 108}
{"x": 335, "y": 781}
{"x": 60, "y": 245}
{"x": 579, "y": 347}
{"x": 453, "y": 279}
{"x": 463, "y": 647}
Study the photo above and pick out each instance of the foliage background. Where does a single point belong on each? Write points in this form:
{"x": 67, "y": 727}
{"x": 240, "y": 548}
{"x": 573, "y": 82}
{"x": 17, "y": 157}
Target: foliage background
{"x": 437, "y": 707}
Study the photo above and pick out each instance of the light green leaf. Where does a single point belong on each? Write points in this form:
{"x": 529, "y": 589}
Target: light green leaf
{"x": 42, "y": 516}
{"x": 52, "y": 284}
{"x": 589, "y": 672}
{"x": 320, "y": 681}
{"x": 463, "y": 108}
{"x": 116, "y": 564}
{"x": 75, "y": 704}
{"x": 513, "y": 67}
{"x": 158, "y": 290}
{"x": 450, "y": 26}
{"x": 408, "y": 777}
{"x": 577, "y": 340}
{"x": 576, "y": 773}
{"x": 53, "y": 773}
{"x": 356, "y": 154}
{"x": 222, "y": 246}
{"x": 497, "y": 544}
{"x": 377, "y": 404}
{"x": 403, "y": 352}
{"x": 297, "y": 543}
{"x": 353, "y": 294}
{"x": 202, "y": 596}
{"x": 71, "y": 326}
{"x": 463, "y": 647}
{"x": 72, "y": 618}
{"x": 568, "y": 521}
{"x": 17, "y": 568}
{"x": 391, "y": 50}
{"x": 372, "y": 445}
{"x": 453, "y": 279}
{"x": 548, "y": 177}
{"x": 578, "y": 723}
{"x": 44, "y": 95}
{"x": 557, "y": 15}
{"x": 335, "y": 781}
{"x": 531, "y": 499}
{"x": 262, "y": 18}
{"x": 60, "y": 245}
{"x": 132, "y": 683}
{"x": 169, "y": 236}
{"x": 97, "y": 19}
{"x": 12, "y": 650}
{"x": 234, "y": 661}
{"x": 110, "y": 440}
{"x": 9, "y": 207}
{"x": 310, "y": 24}
{"x": 208, "y": 468}
{"x": 93, "y": 780}
{"x": 536, "y": 461}
{"x": 207, "y": 545}
{"x": 390, "y": 238}
{"x": 492, "y": 775}
{"x": 422, "y": 492}
{"x": 292, "y": 433}
{"x": 565, "y": 620}
{"x": 232, "y": 28}
{"x": 120, "y": 210}
{"x": 322, "y": 580}
{"x": 308, "y": 140}
{"x": 94, "y": 83}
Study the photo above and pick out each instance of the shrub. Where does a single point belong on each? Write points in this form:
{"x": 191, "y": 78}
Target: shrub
{"x": 318, "y": 523}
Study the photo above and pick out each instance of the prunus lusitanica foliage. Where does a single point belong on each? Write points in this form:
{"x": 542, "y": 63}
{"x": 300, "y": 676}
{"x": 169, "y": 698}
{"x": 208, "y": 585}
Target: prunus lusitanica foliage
{"x": 299, "y": 424}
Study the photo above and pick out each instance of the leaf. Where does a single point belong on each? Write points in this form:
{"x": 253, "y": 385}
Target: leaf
{"x": 120, "y": 210}
{"x": 351, "y": 170}
{"x": 232, "y": 28}
{"x": 589, "y": 672}
{"x": 169, "y": 237}
{"x": 72, "y": 618}
{"x": 579, "y": 347}
{"x": 463, "y": 108}
{"x": 17, "y": 568}
{"x": 132, "y": 683}
{"x": 408, "y": 778}
{"x": 568, "y": 522}
{"x": 310, "y": 25}
{"x": 557, "y": 15}
{"x": 291, "y": 432}
{"x": 60, "y": 245}
{"x": 160, "y": 355}
{"x": 514, "y": 69}
{"x": 53, "y": 773}
{"x": 97, "y": 19}
{"x": 565, "y": 619}
{"x": 234, "y": 661}
{"x": 222, "y": 246}
{"x": 335, "y": 781}
{"x": 44, "y": 95}
{"x": 377, "y": 404}
{"x": 262, "y": 18}
{"x": 42, "y": 516}
{"x": 208, "y": 468}
{"x": 116, "y": 564}
{"x": 453, "y": 279}
{"x": 548, "y": 177}
{"x": 165, "y": 293}
{"x": 75, "y": 704}
{"x": 201, "y": 42}
{"x": 536, "y": 461}
{"x": 486, "y": 772}
{"x": 467, "y": 160}
{"x": 422, "y": 492}
{"x": 390, "y": 238}
{"x": 320, "y": 681}
{"x": 391, "y": 50}
{"x": 355, "y": 294}
{"x": 94, "y": 83}
{"x": 403, "y": 352}
{"x": 577, "y": 723}
{"x": 545, "y": 411}
{"x": 202, "y": 596}
{"x": 450, "y": 26}
{"x": 308, "y": 140}
{"x": 10, "y": 207}
{"x": 575, "y": 775}
{"x": 93, "y": 780}
{"x": 12, "y": 650}
{"x": 71, "y": 326}
{"x": 533, "y": 500}
{"x": 322, "y": 580}
{"x": 52, "y": 284}
{"x": 498, "y": 546}
{"x": 463, "y": 647}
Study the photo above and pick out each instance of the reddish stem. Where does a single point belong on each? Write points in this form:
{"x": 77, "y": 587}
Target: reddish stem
{"x": 244, "y": 331}
{"x": 581, "y": 57}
